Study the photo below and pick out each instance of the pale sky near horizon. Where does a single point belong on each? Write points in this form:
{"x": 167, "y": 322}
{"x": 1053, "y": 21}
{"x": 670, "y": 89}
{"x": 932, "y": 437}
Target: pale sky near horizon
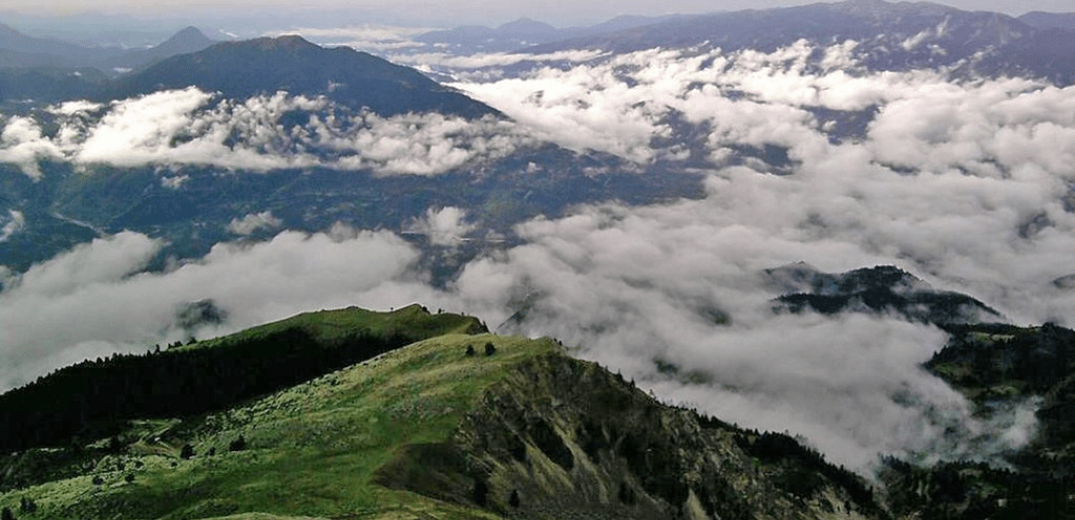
{"x": 488, "y": 12}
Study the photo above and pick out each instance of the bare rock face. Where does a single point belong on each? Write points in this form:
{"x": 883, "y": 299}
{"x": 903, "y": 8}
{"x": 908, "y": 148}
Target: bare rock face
{"x": 562, "y": 438}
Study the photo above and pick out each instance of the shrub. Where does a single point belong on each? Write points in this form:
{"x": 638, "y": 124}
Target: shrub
{"x": 480, "y": 493}
{"x": 490, "y": 349}
{"x": 186, "y": 452}
{"x": 238, "y": 444}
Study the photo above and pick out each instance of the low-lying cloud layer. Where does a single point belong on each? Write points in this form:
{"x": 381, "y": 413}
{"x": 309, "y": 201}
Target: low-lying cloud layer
{"x": 191, "y": 127}
{"x": 106, "y": 305}
{"x": 968, "y": 185}
{"x": 966, "y": 182}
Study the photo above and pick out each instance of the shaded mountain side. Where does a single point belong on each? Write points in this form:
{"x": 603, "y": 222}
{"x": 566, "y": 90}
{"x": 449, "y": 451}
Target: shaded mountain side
{"x": 997, "y": 364}
{"x": 1044, "y": 20}
{"x": 997, "y": 367}
{"x": 498, "y": 194}
{"x": 28, "y": 51}
{"x": 880, "y": 290}
{"x": 48, "y": 84}
{"x": 562, "y": 438}
{"x": 95, "y": 398}
{"x": 267, "y": 65}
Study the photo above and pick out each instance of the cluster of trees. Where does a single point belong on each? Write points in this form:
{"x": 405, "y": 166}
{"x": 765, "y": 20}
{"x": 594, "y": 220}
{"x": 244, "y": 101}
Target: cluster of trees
{"x": 970, "y": 491}
{"x": 490, "y": 349}
{"x": 26, "y": 506}
{"x": 1039, "y": 357}
{"x": 95, "y": 398}
{"x": 804, "y": 466}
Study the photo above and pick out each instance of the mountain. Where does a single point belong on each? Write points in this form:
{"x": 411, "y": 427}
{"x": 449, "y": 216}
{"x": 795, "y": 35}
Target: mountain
{"x": 526, "y": 28}
{"x": 99, "y": 396}
{"x": 267, "y": 65}
{"x": 891, "y": 36}
{"x": 522, "y": 33}
{"x": 185, "y": 41}
{"x": 466, "y": 424}
{"x": 20, "y": 50}
{"x": 48, "y": 84}
{"x": 463, "y": 425}
{"x": 1043, "y": 20}
{"x": 876, "y": 290}
{"x": 1001, "y": 367}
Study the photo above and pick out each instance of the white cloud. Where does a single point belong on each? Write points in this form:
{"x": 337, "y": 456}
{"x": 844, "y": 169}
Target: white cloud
{"x": 965, "y": 184}
{"x": 443, "y": 226}
{"x": 253, "y": 222}
{"x": 14, "y": 223}
{"x": 70, "y": 108}
{"x": 21, "y": 143}
{"x": 363, "y": 37}
{"x": 493, "y": 59}
{"x": 174, "y": 182}
{"x": 191, "y": 127}
{"x": 94, "y": 301}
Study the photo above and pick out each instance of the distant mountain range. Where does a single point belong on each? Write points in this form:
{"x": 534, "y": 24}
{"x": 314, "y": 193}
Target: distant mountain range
{"x": 20, "y": 50}
{"x": 891, "y": 36}
{"x": 525, "y": 32}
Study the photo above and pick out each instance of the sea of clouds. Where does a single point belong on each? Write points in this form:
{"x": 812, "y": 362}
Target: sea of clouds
{"x": 192, "y": 127}
{"x": 965, "y": 184}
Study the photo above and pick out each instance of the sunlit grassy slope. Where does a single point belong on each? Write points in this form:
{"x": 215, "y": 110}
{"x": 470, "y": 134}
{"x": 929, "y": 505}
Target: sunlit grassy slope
{"x": 311, "y": 450}
{"x": 334, "y": 326}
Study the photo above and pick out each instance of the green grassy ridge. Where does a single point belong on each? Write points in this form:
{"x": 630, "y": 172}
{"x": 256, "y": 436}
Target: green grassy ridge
{"x": 93, "y": 398}
{"x": 331, "y": 327}
{"x": 312, "y": 449}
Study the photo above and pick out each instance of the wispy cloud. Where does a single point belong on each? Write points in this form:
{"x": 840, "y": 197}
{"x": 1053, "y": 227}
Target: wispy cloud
{"x": 363, "y": 37}
{"x": 253, "y": 222}
{"x": 11, "y": 225}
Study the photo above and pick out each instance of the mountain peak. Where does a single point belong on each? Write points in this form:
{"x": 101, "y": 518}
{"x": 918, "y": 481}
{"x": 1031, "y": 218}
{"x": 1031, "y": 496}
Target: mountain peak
{"x": 189, "y": 33}
{"x": 290, "y": 63}
{"x": 190, "y": 39}
{"x": 287, "y": 42}
{"x": 880, "y": 8}
{"x": 526, "y": 26}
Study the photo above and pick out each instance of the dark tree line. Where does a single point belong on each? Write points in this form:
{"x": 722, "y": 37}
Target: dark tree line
{"x": 807, "y": 466}
{"x": 94, "y": 399}
{"x": 1041, "y": 357}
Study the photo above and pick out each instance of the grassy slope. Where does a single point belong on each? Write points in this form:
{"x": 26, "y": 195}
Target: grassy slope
{"x": 329, "y": 327}
{"x": 312, "y": 449}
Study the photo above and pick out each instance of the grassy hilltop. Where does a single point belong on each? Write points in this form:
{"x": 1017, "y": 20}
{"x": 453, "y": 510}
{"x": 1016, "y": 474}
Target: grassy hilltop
{"x": 462, "y": 424}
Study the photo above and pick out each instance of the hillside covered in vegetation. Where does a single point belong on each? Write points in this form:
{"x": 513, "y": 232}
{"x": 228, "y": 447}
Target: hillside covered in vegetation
{"x": 463, "y": 424}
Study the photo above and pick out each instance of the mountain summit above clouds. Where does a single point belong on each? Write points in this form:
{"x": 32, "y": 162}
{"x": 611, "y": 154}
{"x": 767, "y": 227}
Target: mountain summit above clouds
{"x": 293, "y": 64}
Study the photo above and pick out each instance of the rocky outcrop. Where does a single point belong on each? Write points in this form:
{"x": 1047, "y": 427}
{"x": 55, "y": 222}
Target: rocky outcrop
{"x": 562, "y": 438}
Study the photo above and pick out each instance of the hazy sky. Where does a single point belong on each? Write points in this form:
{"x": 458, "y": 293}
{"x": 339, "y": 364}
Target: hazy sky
{"x": 557, "y": 12}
